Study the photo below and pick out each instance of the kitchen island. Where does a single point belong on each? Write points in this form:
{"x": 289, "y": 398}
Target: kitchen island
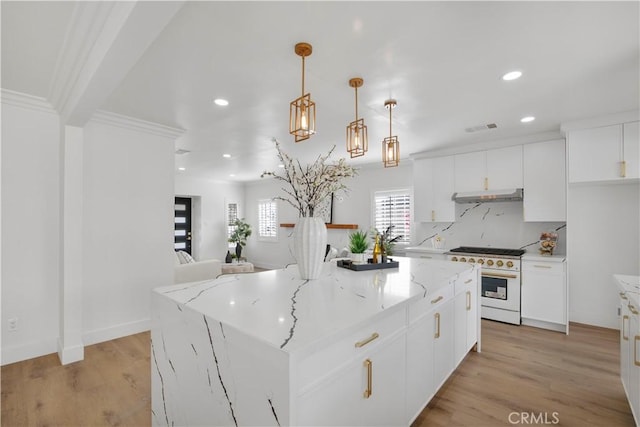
{"x": 628, "y": 288}
{"x": 351, "y": 348}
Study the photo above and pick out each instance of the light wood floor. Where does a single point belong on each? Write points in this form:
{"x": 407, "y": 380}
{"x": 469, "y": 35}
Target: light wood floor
{"x": 520, "y": 369}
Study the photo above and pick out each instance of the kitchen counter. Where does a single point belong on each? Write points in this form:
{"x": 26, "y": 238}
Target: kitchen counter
{"x": 426, "y": 250}
{"x": 543, "y": 258}
{"x": 242, "y": 349}
{"x": 629, "y": 285}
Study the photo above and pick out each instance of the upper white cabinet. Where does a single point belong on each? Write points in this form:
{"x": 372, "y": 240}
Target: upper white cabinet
{"x": 545, "y": 194}
{"x": 496, "y": 169}
{"x": 433, "y": 188}
{"x": 607, "y": 153}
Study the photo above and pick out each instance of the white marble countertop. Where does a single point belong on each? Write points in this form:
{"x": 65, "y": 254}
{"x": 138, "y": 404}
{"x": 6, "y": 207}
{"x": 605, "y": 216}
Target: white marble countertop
{"x": 426, "y": 249}
{"x": 543, "y": 258}
{"x": 630, "y": 285}
{"x": 289, "y": 313}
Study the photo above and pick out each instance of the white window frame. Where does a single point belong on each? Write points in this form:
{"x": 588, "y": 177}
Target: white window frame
{"x": 275, "y": 225}
{"x": 406, "y": 240}
{"x": 231, "y": 228}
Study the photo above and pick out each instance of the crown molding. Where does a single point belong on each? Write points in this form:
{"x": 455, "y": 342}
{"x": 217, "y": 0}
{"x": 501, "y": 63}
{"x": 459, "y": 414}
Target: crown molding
{"x": 23, "y": 100}
{"x": 126, "y": 122}
{"x": 607, "y": 120}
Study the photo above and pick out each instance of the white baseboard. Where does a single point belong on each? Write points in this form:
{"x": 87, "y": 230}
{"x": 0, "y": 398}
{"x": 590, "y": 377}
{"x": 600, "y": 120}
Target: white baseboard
{"x": 545, "y": 325}
{"x": 28, "y": 351}
{"x": 70, "y": 354}
{"x": 117, "y": 331}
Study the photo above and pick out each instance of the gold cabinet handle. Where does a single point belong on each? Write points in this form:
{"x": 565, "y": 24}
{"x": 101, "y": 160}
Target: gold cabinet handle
{"x": 541, "y": 266}
{"x": 468, "y": 281}
{"x": 369, "y": 365}
{"x": 437, "y": 335}
{"x": 632, "y": 309}
{"x": 635, "y": 350}
{"x": 468, "y": 301}
{"x": 623, "y": 295}
{"x": 433, "y": 215}
{"x": 367, "y": 340}
{"x": 426, "y": 257}
{"x": 623, "y": 169}
{"x": 624, "y": 337}
{"x": 433, "y": 301}
{"x": 501, "y": 276}
{"x": 486, "y": 183}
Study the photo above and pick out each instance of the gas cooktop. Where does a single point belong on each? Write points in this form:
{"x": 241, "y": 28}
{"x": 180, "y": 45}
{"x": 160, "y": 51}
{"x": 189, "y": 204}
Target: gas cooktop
{"x": 489, "y": 251}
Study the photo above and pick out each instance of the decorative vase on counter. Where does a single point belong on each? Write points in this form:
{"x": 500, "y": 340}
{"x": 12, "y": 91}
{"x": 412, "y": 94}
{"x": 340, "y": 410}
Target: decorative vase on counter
{"x": 228, "y": 258}
{"x": 309, "y": 244}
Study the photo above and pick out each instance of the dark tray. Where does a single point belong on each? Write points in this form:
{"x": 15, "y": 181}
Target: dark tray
{"x": 369, "y": 265}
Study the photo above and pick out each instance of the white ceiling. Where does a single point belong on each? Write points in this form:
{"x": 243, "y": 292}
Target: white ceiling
{"x": 442, "y": 61}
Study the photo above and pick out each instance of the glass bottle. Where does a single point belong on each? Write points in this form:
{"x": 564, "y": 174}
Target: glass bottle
{"x": 377, "y": 250}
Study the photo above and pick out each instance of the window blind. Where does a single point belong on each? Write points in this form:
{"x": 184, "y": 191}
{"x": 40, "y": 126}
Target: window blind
{"x": 394, "y": 208}
{"x": 267, "y": 219}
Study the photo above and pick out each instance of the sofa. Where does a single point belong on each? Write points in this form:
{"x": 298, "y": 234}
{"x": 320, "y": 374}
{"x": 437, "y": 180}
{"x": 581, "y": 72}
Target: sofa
{"x": 187, "y": 269}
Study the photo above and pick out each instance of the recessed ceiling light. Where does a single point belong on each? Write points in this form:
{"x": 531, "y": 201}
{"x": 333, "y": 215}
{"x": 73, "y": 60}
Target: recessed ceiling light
{"x": 512, "y": 75}
{"x": 281, "y": 165}
{"x": 527, "y": 119}
{"x": 226, "y": 156}
{"x": 232, "y": 175}
{"x": 182, "y": 169}
{"x": 221, "y": 102}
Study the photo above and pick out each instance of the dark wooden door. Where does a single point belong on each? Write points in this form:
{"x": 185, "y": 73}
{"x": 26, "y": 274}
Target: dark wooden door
{"x": 182, "y": 224}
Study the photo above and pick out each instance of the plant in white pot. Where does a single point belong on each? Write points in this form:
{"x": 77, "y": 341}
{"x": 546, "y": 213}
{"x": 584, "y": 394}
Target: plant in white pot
{"x": 307, "y": 187}
{"x": 358, "y": 244}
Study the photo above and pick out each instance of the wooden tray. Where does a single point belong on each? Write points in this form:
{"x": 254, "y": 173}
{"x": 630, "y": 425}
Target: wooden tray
{"x": 369, "y": 265}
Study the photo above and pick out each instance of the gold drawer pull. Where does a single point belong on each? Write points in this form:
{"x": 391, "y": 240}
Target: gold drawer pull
{"x": 437, "y": 335}
{"x": 368, "y": 340}
{"x": 623, "y": 169}
{"x": 433, "y": 216}
{"x": 624, "y": 337}
{"x": 468, "y": 281}
{"x": 623, "y": 295}
{"x": 440, "y": 298}
{"x": 426, "y": 257}
{"x": 542, "y": 266}
{"x": 633, "y": 309}
{"x": 468, "y": 301}
{"x": 635, "y": 350}
{"x": 369, "y": 365}
{"x": 486, "y": 183}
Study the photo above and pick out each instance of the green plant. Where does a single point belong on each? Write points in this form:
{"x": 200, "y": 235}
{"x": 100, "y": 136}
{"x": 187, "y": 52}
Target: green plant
{"x": 386, "y": 241}
{"x": 358, "y": 242}
{"x": 241, "y": 232}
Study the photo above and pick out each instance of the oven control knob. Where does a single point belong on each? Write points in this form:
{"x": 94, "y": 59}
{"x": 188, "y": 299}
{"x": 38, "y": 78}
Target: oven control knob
{"x": 509, "y": 264}
{"x": 499, "y": 263}
{"x": 454, "y": 258}
{"x": 490, "y": 262}
{"x": 463, "y": 259}
{"x": 472, "y": 260}
{"x": 480, "y": 261}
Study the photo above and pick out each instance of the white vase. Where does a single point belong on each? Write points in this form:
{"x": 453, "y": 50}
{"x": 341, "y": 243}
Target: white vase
{"x": 309, "y": 246}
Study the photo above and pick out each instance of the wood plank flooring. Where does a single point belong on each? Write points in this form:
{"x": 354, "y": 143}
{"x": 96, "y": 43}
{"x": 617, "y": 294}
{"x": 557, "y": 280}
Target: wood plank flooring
{"x": 520, "y": 370}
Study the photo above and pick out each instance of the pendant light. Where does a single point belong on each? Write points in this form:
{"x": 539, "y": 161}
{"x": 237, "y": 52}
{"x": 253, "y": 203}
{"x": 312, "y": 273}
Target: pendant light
{"x": 390, "y": 145}
{"x": 302, "y": 112}
{"x": 357, "y": 139}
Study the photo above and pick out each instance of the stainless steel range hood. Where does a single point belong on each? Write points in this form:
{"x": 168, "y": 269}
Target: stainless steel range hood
{"x": 509, "y": 195}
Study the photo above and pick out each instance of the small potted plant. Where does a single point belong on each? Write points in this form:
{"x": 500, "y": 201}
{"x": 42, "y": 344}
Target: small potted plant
{"x": 239, "y": 235}
{"x": 386, "y": 241}
{"x": 358, "y": 244}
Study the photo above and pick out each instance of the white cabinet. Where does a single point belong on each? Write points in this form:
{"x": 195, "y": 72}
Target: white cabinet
{"x": 433, "y": 188}
{"x": 629, "y": 353}
{"x": 607, "y": 153}
{"x": 466, "y": 316}
{"x": 496, "y": 169}
{"x": 443, "y": 363}
{"x": 545, "y": 191}
{"x": 544, "y": 293}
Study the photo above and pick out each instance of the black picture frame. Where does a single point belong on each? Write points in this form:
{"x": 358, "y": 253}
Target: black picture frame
{"x": 325, "y": 209}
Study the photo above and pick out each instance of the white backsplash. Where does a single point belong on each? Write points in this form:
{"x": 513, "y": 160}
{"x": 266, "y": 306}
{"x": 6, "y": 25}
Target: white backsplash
{"x": 491, "y": 224}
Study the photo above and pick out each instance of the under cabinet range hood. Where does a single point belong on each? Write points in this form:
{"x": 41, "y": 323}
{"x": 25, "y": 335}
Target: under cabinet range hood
{"x": 509, "y": 195}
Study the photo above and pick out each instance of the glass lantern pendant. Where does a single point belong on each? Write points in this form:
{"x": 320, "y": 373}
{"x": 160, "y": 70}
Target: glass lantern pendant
{"x": 390, "y": 145}
{"x": 357, "y": 139}
{"x": 302, "y": 111}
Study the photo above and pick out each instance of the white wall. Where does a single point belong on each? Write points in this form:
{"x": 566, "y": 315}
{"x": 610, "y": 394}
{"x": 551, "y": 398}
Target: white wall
{"x": 128, "y": 227}
{"x": 209, "y": 214}
{"x": 353, "y": 207}
{"x": 602, "y": 241}
{"x": 30, "y": 231}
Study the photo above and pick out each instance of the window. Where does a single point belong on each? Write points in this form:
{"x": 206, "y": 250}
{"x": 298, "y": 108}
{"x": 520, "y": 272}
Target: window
{"x": 267, "y": 220}
{"x": 393, "y": 208}
{"x": 232, "y": 215}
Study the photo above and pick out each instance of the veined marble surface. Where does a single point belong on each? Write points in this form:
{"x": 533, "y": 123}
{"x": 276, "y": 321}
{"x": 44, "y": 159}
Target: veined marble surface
{"x": 286, "y": 312}
{"x": 630, "y": 285}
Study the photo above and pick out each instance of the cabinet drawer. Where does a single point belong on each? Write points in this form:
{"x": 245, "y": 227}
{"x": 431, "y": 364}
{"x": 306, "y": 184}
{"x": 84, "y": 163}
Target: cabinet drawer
{"x": 323, "y": 361}
{"x": 555, "y": 268}
{"x": 433, "y": 300}
{"x": 465, "y": 280}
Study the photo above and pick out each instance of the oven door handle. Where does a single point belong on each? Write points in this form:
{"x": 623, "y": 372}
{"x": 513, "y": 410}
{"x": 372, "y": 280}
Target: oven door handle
{"x": 500, "y": 276}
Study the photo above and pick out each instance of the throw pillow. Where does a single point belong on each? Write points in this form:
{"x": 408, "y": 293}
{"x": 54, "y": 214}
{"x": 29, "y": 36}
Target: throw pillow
{"x": 185, "y": 258}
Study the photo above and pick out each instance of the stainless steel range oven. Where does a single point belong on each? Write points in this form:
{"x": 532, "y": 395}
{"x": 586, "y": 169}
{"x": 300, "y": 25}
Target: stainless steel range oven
{"x": 500, "y": 297}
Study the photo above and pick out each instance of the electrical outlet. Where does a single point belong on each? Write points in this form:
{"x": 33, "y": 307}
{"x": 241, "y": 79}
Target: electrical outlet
{"x": 12, "y": 324}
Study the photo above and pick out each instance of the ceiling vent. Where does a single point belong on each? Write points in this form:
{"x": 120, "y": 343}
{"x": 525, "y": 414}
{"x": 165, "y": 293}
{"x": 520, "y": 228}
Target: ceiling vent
{"x": 481, "y": 127}
{"x": 182, "y": 151}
